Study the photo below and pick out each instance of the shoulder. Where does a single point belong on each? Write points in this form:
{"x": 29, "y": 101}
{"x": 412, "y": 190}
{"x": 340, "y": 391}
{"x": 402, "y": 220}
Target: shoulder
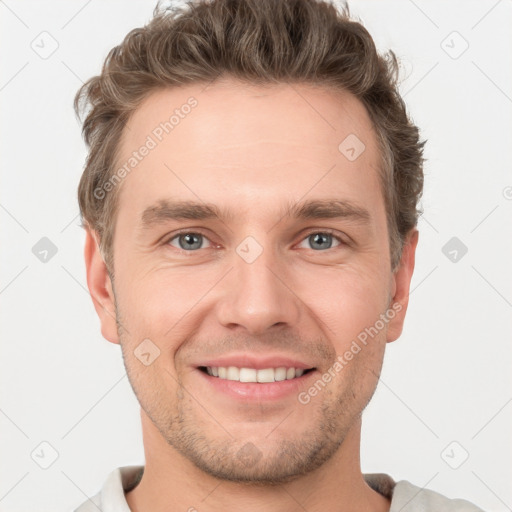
{"x": 407, "y": 497}
{"x": 91, "y": 505}
{"x": 112, "y": 494}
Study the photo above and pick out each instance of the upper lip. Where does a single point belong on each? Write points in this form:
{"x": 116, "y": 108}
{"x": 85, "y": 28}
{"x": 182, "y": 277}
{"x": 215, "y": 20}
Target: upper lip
{"x": 257, "y": 362}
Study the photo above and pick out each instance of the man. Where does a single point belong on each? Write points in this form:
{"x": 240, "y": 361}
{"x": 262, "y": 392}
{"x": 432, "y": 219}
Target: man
{"x": 250, "y": 204}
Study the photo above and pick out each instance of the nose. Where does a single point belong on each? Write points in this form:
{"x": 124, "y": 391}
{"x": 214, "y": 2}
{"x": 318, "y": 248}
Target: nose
{"x": 258, "y": 295}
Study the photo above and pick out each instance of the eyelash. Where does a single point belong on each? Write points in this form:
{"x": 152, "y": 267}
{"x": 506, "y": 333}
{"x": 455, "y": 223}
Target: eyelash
{"x": 199, "y": 232}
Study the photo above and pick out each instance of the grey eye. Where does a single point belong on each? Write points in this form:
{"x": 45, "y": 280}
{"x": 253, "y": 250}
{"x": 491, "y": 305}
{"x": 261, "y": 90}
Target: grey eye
{"x": 321, "y": 241}
{"x": 188, "y": 241}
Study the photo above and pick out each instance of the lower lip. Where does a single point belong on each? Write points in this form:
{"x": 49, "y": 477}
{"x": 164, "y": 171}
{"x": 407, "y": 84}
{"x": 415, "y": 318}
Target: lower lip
{"x": 259, "y": 390}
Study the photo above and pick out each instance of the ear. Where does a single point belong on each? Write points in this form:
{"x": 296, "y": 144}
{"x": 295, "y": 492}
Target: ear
{"x": 401, "y": 282}
{"x": 100, "y": 287}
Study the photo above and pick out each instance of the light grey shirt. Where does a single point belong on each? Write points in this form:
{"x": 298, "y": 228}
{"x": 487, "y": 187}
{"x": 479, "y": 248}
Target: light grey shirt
{"x": 404, "y": 496}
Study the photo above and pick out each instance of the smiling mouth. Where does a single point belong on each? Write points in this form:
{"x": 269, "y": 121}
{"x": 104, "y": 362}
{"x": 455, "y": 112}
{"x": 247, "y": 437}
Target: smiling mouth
{"x": 264, "y": 375}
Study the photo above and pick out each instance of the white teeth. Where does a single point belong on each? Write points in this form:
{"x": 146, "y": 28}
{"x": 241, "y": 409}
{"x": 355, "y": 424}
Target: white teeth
{"x": 280, "y": 373}
{"x": 233, "y": 373}
{"x": 248, "y": 375}
{"x": 266, "y": 375}
{"x": 254, "y": 375}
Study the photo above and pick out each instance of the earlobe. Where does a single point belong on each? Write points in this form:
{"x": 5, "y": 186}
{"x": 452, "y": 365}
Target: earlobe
{"x": 401, "y": 286}
{"x": 100, "y": 287}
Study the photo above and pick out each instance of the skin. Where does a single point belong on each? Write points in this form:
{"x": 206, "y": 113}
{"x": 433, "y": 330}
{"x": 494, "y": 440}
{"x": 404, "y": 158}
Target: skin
{"x": 254, "y": 150}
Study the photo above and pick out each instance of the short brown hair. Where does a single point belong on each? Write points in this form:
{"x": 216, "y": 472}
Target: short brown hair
{"x": 260, "y": 42}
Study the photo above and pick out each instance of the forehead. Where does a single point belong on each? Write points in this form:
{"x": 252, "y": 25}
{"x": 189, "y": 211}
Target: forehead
{"x": 248, "y": 144}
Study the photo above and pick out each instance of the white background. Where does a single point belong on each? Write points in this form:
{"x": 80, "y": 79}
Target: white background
{"x": 447, "y": 379}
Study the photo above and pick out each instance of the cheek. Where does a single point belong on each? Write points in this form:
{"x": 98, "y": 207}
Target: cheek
{"x": 346, "y": 300}
{"x": 161, "y": 303}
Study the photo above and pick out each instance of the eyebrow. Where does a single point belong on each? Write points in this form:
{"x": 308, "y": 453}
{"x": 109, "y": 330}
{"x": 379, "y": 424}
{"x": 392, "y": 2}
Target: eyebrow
{"x": 166, "y": 210}
{"x": 329, "y": 209}
{"x": 181, "y": 210}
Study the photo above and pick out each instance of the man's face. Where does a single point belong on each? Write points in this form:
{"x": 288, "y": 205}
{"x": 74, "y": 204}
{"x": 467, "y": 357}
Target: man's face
{"x": 258, "y": 287}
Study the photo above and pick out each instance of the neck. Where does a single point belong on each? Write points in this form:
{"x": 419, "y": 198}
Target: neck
{"x": 171, "y": 482}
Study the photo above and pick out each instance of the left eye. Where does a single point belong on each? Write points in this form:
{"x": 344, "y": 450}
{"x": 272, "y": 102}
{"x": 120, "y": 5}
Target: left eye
{"x": 322, "y": 240}
{"x": 189, "y": 241}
